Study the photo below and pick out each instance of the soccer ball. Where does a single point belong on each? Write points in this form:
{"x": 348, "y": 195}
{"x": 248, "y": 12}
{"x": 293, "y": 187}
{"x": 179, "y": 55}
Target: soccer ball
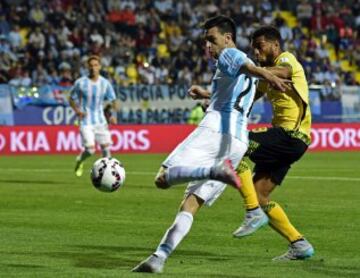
{"x": 107, "y": 174}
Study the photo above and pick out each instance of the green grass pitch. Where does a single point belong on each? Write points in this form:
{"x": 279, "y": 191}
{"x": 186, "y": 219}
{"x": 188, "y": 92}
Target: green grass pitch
{"x": 55, "y": 225}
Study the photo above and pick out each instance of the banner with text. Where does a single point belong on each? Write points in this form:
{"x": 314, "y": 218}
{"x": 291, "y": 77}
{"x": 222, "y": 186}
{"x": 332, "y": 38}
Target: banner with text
{"x": 139, "y": 104}
{"x": 150, "y": 138}
{"x": 350, "y": 99}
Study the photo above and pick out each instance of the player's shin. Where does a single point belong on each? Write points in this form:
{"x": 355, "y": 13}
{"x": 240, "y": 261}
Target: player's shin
{"x": 85, "y": 154}
{"x": 174, "y": 234}
{"x": 255, "y": 218}
{"x": 247, "y": 188}
{"x": 280, "y": 222}
{"x": 105, "y": 150}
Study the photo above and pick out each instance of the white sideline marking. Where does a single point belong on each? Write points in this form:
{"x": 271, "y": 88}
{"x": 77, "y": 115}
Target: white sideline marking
{"x": 143, "y": 173}
{"x": 322, "y": 178}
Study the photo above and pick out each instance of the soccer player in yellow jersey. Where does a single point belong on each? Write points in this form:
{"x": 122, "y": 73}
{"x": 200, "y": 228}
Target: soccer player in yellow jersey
{"x": 273, "y": 150}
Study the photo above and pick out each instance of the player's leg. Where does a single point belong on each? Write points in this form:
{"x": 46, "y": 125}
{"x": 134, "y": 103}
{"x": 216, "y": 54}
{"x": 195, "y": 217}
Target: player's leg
{"x": 88, "y": 140}
{"x": 255, "y": 218}
{"x": 181, "y": 226}
{"x": 103, "y": 137}
{"x": 197, "y": 194}
{"x": 262, "y": 142}
{"x": 222, "y": 171}
{"x": 173, "y": 236}
{"x": 299, "y": 247}
{"x": 105, "y": 150}
{"x": 190, "y": 161}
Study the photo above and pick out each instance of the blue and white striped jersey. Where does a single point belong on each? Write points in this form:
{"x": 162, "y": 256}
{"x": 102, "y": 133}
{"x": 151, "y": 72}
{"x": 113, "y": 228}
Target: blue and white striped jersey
{"x": 90, "y": 97}
{"x": 232, "y": 95}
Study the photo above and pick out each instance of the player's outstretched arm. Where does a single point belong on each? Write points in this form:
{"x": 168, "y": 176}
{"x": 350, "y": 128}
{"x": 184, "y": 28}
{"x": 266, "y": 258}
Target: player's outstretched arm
{"x": 279, "y": 83}
{"x": 281, "y": 71}
{"x": 197, "y": 92}
{"x": 233, "y": 62}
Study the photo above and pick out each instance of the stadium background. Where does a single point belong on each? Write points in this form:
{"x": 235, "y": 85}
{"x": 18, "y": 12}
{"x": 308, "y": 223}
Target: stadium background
{"x": 53, "y": 225}
{"x": 152, "y": 51}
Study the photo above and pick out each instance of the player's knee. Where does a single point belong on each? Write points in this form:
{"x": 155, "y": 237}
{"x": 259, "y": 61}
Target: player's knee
{"x": 160, "y": 180}
{"x": 191, "y": 204}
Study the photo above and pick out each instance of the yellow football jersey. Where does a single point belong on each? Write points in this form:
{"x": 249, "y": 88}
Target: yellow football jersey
{"x": 291, "y": 109}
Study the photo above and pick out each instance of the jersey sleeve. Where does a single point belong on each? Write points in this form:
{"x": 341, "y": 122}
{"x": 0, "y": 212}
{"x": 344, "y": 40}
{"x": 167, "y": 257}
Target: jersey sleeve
{"x": 75, "y": 91}
{"x": 231, "y": 60}
{"x": 109, "y": 93}
{"x": 285, "y": 61}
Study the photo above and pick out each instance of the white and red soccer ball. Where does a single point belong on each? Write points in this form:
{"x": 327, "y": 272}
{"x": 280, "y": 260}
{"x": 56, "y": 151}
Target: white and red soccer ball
{"x": 107, "y": 174}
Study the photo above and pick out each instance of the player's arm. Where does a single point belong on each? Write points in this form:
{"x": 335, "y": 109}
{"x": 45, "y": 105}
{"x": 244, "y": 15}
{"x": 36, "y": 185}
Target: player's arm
{"x": 278, "y": 82}
{"x": 109, "y": 112}
{"x": 73, "y": 100}
{"x": 233, "y": 62}
{"x": 197, "y": 92}
{"x": 282, "y": 71}
{"x": 113, "y": 105}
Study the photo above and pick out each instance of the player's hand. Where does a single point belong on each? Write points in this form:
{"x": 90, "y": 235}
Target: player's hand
{"x": 196, "y": 92}
{"x": 80, "y": 114}
{"x": 279, "y": 83}
{"x": 112, "y": 120}
{"x": 204, "y": 105}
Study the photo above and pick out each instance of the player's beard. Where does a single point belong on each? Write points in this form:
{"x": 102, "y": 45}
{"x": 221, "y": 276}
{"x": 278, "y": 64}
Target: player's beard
{"x": 269, "y": 60}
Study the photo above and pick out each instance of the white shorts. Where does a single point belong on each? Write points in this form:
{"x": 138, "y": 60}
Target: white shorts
{"x": 92, "y": 134}
{"x": 205, "y": 147}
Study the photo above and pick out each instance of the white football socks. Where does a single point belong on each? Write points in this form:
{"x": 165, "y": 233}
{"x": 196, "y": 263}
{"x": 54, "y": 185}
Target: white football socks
{"x": 106, "y": 151}
{"x": 174, "y": 234}
{"x": 181, "y": 174}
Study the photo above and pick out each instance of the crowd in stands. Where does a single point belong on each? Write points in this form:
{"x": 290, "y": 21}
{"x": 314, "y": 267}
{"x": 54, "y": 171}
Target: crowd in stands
{"x": 160, "y": 41}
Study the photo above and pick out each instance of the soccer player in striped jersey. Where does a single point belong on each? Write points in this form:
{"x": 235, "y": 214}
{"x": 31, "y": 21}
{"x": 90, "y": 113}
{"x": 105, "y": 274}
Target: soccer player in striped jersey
{"x": 275, "y": 149}
{"x": 87, "y": 98}
{"x": 201, "y": 159}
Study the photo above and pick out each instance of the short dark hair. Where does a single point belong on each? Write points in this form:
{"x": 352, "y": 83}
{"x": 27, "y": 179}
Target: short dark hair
{"x": 224, "y": 23}
{"x": 269, "y": 32}
{"x": 93, "y": 57}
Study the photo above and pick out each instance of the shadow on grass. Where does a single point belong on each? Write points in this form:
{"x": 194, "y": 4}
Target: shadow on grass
{"x": 113, "y": 257}
{"x": 222, "y": 275}
{"x": 95, "y": 260}
{"x": 35, "y": 182}
{"x": 319, "y": 267}
{"x": 108, "y": 256}
{"x": 148, "y": 251}
{"x": 25, "y": 266}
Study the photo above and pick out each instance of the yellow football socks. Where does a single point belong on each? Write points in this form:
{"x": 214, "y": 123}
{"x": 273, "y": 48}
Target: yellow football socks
{"x": 280, "y": 222}
{"x": 247, "y": 188}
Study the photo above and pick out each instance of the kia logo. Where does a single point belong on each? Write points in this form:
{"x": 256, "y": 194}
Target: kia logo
{"x": 2, "y": 141}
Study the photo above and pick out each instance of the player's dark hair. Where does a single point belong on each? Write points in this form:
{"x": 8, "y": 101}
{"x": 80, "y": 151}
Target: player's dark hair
{"x": 269, "y": 32}
{"x": 224, "y": 23}
{"x": 93, "y": 57}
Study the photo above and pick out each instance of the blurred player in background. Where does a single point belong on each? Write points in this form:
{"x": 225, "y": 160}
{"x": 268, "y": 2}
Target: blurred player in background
{"x": 196, "y": 114}
{"x": 275, "y": 149}
{"x": 87, "y": 98}
{"x": 201, "y": 158}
